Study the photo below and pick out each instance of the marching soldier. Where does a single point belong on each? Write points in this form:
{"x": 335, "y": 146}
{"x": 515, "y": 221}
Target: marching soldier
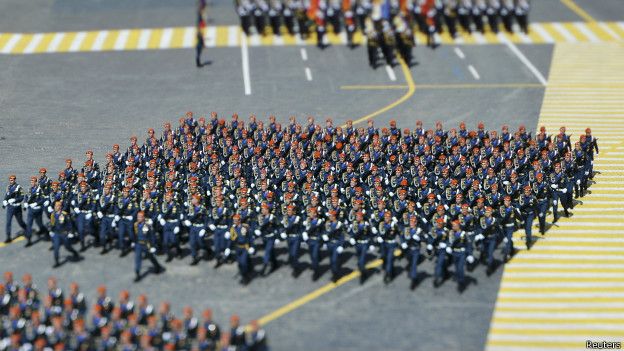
{"x": 313, "y": 230}
{"x": 144, "y": 245}
{"x": 522, "y": 15}
{"x": 386, "y": 237}
{"x": 492, "y": 12}
{"x": 219, "y": 226}
{"x": 404, "y": 39}
{"x": 169, "y": 218}
{"x": 291, "y": 224}
{"x": 335, "y": 242}
{"x": 83, "y": 206}
{"x": 13, "y": 203}
{"x": 196, "y": 219}
{"x": 360, "y": 238}
{"x": 106, "y": 214}
{"x": 528, "y": 207}
{"x": 410, "y": 240}
{"x": 124, "y": 214}
{"x": 33, "y": 203}
{"x": 440, "y": 240}
{"x": 488, "y": 235}
{"x": 267, "y": 225}
{"x": 59, "y": 225}
{"x": 507, "y": 216}
{"x": 459, "y": 244}
{"x": 507, "y": 13}
{"x": 242, "y": 239}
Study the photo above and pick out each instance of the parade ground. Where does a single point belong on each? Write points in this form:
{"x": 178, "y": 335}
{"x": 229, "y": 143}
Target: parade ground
{"x": 86, "y": 74}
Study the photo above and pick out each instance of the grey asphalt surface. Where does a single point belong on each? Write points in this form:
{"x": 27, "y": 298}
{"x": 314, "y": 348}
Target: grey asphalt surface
{"x": 56, "y": 106}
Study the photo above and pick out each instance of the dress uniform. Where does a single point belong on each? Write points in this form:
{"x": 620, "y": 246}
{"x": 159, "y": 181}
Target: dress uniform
{"x": 488, "y": 235}
{"x": 543, "y": 196}
{"x": 196, "y": 219}
{"x": 219, "y": 227}
{"x": 291, "y": 224}
{"x": 440, "y": 241}
{"x": 334, "y": 238}
{"x": 267, "y": 226}
{"x": 521, "y": 12}
{"x": 410, "y": 241}
{"x": 13, "y": 203}
{"x": 242, "y": 240}
{"x": 199, "y": 44}
{"x": 507, "y": 216}
{"x": 314, "y": 237}
{"x": 125, "y": 212}
{"x": 106, "y": 214}
{"x": 360, "y": 238}
{"x": 59, "y": 225}
{"x": 458, "y": 244}
{"x": 169, "y": 218}
{"x": 387, "y": 235}
{"x": 33, "y": 203}
{"x": 83, "y": 207}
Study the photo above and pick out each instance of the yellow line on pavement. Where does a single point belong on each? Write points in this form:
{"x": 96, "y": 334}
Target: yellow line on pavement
{"x": 411, "y": 88}
{"x": 373, "y": 87}
{"x": 478, "y": 86}
{"x": 19, "y": 238}
{"x": 578, "y": 10}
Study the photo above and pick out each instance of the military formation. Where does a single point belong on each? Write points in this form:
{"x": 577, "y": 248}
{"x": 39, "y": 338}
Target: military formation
{"x": 388, "y": 26}
{"x": 33, "y": 319}
{"x": 231, "y": 190}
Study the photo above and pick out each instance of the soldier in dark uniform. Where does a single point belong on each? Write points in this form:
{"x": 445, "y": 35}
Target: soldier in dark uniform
{"x": 410, "y": 240}
{"x": 144, "y": 245}
{"x": 267, "y": 225}
{"x": 388, "y": 233}
{"x": 196, "y": 219}
{"x": 521, "y": 12}
{"x": 59, "y": 225}
{"x": 13, "y": 203}
{"x": 507, "y": 14}
{"x": 492, "y": 12}
{"x": 199, "y": 45}
{"x": 33, "y": 203}
{"x": 404, "y": 39}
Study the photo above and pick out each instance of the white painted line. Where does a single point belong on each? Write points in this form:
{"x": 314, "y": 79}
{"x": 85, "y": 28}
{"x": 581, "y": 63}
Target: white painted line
{"x": 554, "y": 327}
{"x": 553, "y": 337}
{"x": 526, "y": 61}
{"x": 298, "y": 40}
{"x": 578, "y": 249}
{"x": 304, "y": 54}
{"x": 233, "y": 35}
{"x": 459, "y": 53}
{"x": 569, "y": 315}
{"x": 562, "y": 285}
{"x": 390, "y": 72}
{"x": 524, "y": 38}
{"x": 538, "y": 256}
{"x": 56, "y": 41}
{"x": 474, "y": 72}
{"x": 99, "y": 40}
{"x": 245, "y": 60}
{"x": 120, "y": 43}
{"x": 308, "y": 73}
{"x": 8, "y": 47}
{"x": 78, "y": 39}
{"x": 479, "y": 39}
{"x": 542, "y": 32}
{"x": 610, "y": 31}
{"x": 254, "y": 40}
{"x": 343, "y": 37}
{"x": 543, "y": 294}
{"x": 165, "y": 39}
{"x": 144, "y": 37}
{"x": 278, "y": 40}
{"x": 621, "y": 25}
{"x": 189, "y": 37}
{"x": 556, "y": 275}
{"x": 578, "y": 267}
{"x": 582, "y": 27}
{"x": 564, "y": 32}
{"x": 210, "y": 36}
{"x": 36, "y": 39}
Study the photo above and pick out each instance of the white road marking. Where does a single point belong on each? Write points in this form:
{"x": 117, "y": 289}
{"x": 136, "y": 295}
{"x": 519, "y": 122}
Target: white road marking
{"x": 120, "y": 43}
{"x": 254, "y": 40}
{"x": 189, "y": 34}
{"x": 8, "y": 47}
{"x": 582, "y": 27}
{"x": 99, "y": 40}
{"x": 144, "y": 37}
{"x": 607, "y": 29}
{"x": 308, "y": 73}
{"x": 542, "y": 32}
{"x": 210, "y": 39}
{"x": 564, "y": 32}
{"x": 558, "y": 326}
{"x": 245, "y": 60}
{"x": 460, "y": 53}
{"x": 278, "y": 40}
{"x": 390, "y": 72}
{"x": 233, "y": 35}
{"x": 75, "y": 45}
{"x": 525, "y": 60}
{"x": 56, "y": 41}
{"x": 474, "y": 72}
{"x": 165, "y": 39}
{"x": 33, "y": 43}
{"x": 304, "y": 54}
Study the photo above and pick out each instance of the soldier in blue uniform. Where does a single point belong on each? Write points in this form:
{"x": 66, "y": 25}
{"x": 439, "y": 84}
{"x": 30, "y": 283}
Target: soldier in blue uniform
{"x": 410, "y": 242}
{"x": 459, "y": 244}
{"x": 313, "y": 235}
{"x": 125, "y": 212}
{"x": 83, "y": 207}
{"x": 542, "y": 195}
{"x": 528, "y": 207}
{"x": 559, "y": 185}
{"x": 388, "y": 233}
{"x": 360, "y": 238}
{"x": 488, "y": 234}
{"x": 507, "y": 216}
{"x": 13, "y": 203}
{"x": 266, "y": 229}
{"x": 242, "y": 240}
{"x": 106, "y": 214}
{"x": 292, "y": 224}
{"x": 440, "y": 237}
{"x": 59, "y": 225}
{"x": 334, "y": 238}
{"x": 196, "y": 219}
{"x": 169, "y": 218}
{"x": 144, "y": 245}
{"x": 33, "y": 203}
{"x": 219, "y": 226}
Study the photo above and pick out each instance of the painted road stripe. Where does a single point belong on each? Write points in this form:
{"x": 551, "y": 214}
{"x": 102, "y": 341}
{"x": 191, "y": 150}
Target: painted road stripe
{"x": 308, "y": 73}
{"x": 245, "y": 64}
{"x": 36, "y": 39}
{"x": 233, "y": 34}
{"x": 564, "y": 32}
{"x": 165, "y": 39}
{"x": 144, "y": 39}
{"x": 8, "y": 47}
{"x": 75, "y": 45}
{"x": 189, "y": 37}
{"x": 390, "y": 73}
{"x": 474, "y": 72}
{"x": 99, "y": 40}
{"x": 120, "y": 43}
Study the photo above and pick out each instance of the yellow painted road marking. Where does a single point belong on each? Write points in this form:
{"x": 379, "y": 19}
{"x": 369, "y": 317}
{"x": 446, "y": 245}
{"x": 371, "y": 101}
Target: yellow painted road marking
{"x": 18, "y": 239}
{"x": 373, "y": 87}
{"x": 578, "y": 10}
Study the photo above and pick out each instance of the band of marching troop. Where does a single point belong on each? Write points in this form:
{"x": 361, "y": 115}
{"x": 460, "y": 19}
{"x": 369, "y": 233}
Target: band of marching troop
{"x": 386, "y": 24}
{"x": 53, "y": 319}
{"x": 230, "y": 190}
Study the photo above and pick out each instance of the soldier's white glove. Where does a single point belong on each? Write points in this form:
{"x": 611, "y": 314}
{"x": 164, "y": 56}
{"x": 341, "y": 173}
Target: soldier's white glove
{"x": 277, "y": 241}
{"x": 554, "y": 186}
{"x": 416, "y": 237}
{"x": 251, "y": 250}
{"x": 231, "y": 197}
{"x": 429, "y": 247}
{"x": 76, "y": 210}
{"x": 325, "y": 237}
{"x": 145, "y": 229}
{"x": 88, "y": 216}
{"x": 187, "y": 223}
{"x": 404, "y": 246}
{"x": 578, "y": 182}
{"x": 448, "y": 250}
{"x": 226, "y": 252}
{"x": 212, "y": 227}
{"x": 564, "y": 190}
{"x": 117, "y": 218}
{"x": 73, "y": 202}
{"x": 114, "y": 224}
{"x": 391, "y": 194}
{"x": 159, "y": 217}
{"x": 379, "y": 240}
{"x": 442, "y": 246}
{"x": 33, "y": 205}
{"x": 152, "y": 250}
{"x": 374, "y": 230}
{"x": 479, "y": 237}
{"x": 132, "y": 244}
{"x": 372, "y": 248}
{"x": 418, "y": 205}
{"x": 202, "y": 232}
{"x": 352, "y": 241}
{"x": 70, "y": 235}
{"x": 11, "y": 201}
{"x": 52, "y": 235}
{"x": 555, "y": 202}
{"x": 47, "y": 202}
{"x": 176, "y": 230}
{"x": 283, "y": 236}
{"x": 304, "y": 235}
{"x": 149, "y": 221}
{"x": 162, "y": 222}
{"x": 470, "y": 259}
{"x": 257, "y": 232}
{"x": 50, "y": 209}
{"x": 100, "y": 215}
{"x": 425, "y": 220}
{"x": 25, "y": 205}
{"x": 339, "y": 249}
{"x": 227, "y": 235}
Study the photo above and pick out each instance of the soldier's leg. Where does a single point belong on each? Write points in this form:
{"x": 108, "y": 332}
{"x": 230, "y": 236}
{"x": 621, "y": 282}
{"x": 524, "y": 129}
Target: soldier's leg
{"x": 138, "y": 252}
{"x": 542, "y": 207}
{"x": 39, "y": 219}
{"x": 103, "y": 232}
{"x": 361, "y": 252}
{"x": 69, "y": 247}
{"x": 491, "y": 245}
{"x": 528, "y": 228}
{"x": 193, "y": 241}
{"x": 9, "y": 219}
{"x": 56, "y": 244}
{"x": 555, "y": 205}
{"x": 440, "y": 264}
{"x": 333, "y": 259}
{"x": 508, "y": 236}
{"x": 415, "y": 254}
{"x": 460, "y": 263}
{"x": 390, "y": 260}
{"x": 80, "y": 226}
{"x": 493, "y": 22}
{"x": 157, "y": 266}
{"x": 30, "y": 218}
{"x": 314, "y": 254}
{"x": 18, "y": 217}
{"x": 121, "y": 229}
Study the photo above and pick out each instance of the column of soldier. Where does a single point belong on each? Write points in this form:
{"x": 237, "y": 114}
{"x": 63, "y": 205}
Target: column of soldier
{"x": 34, "y": 320}
{"x": 387, "y": 25}
{"x": 230, "y": 188}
